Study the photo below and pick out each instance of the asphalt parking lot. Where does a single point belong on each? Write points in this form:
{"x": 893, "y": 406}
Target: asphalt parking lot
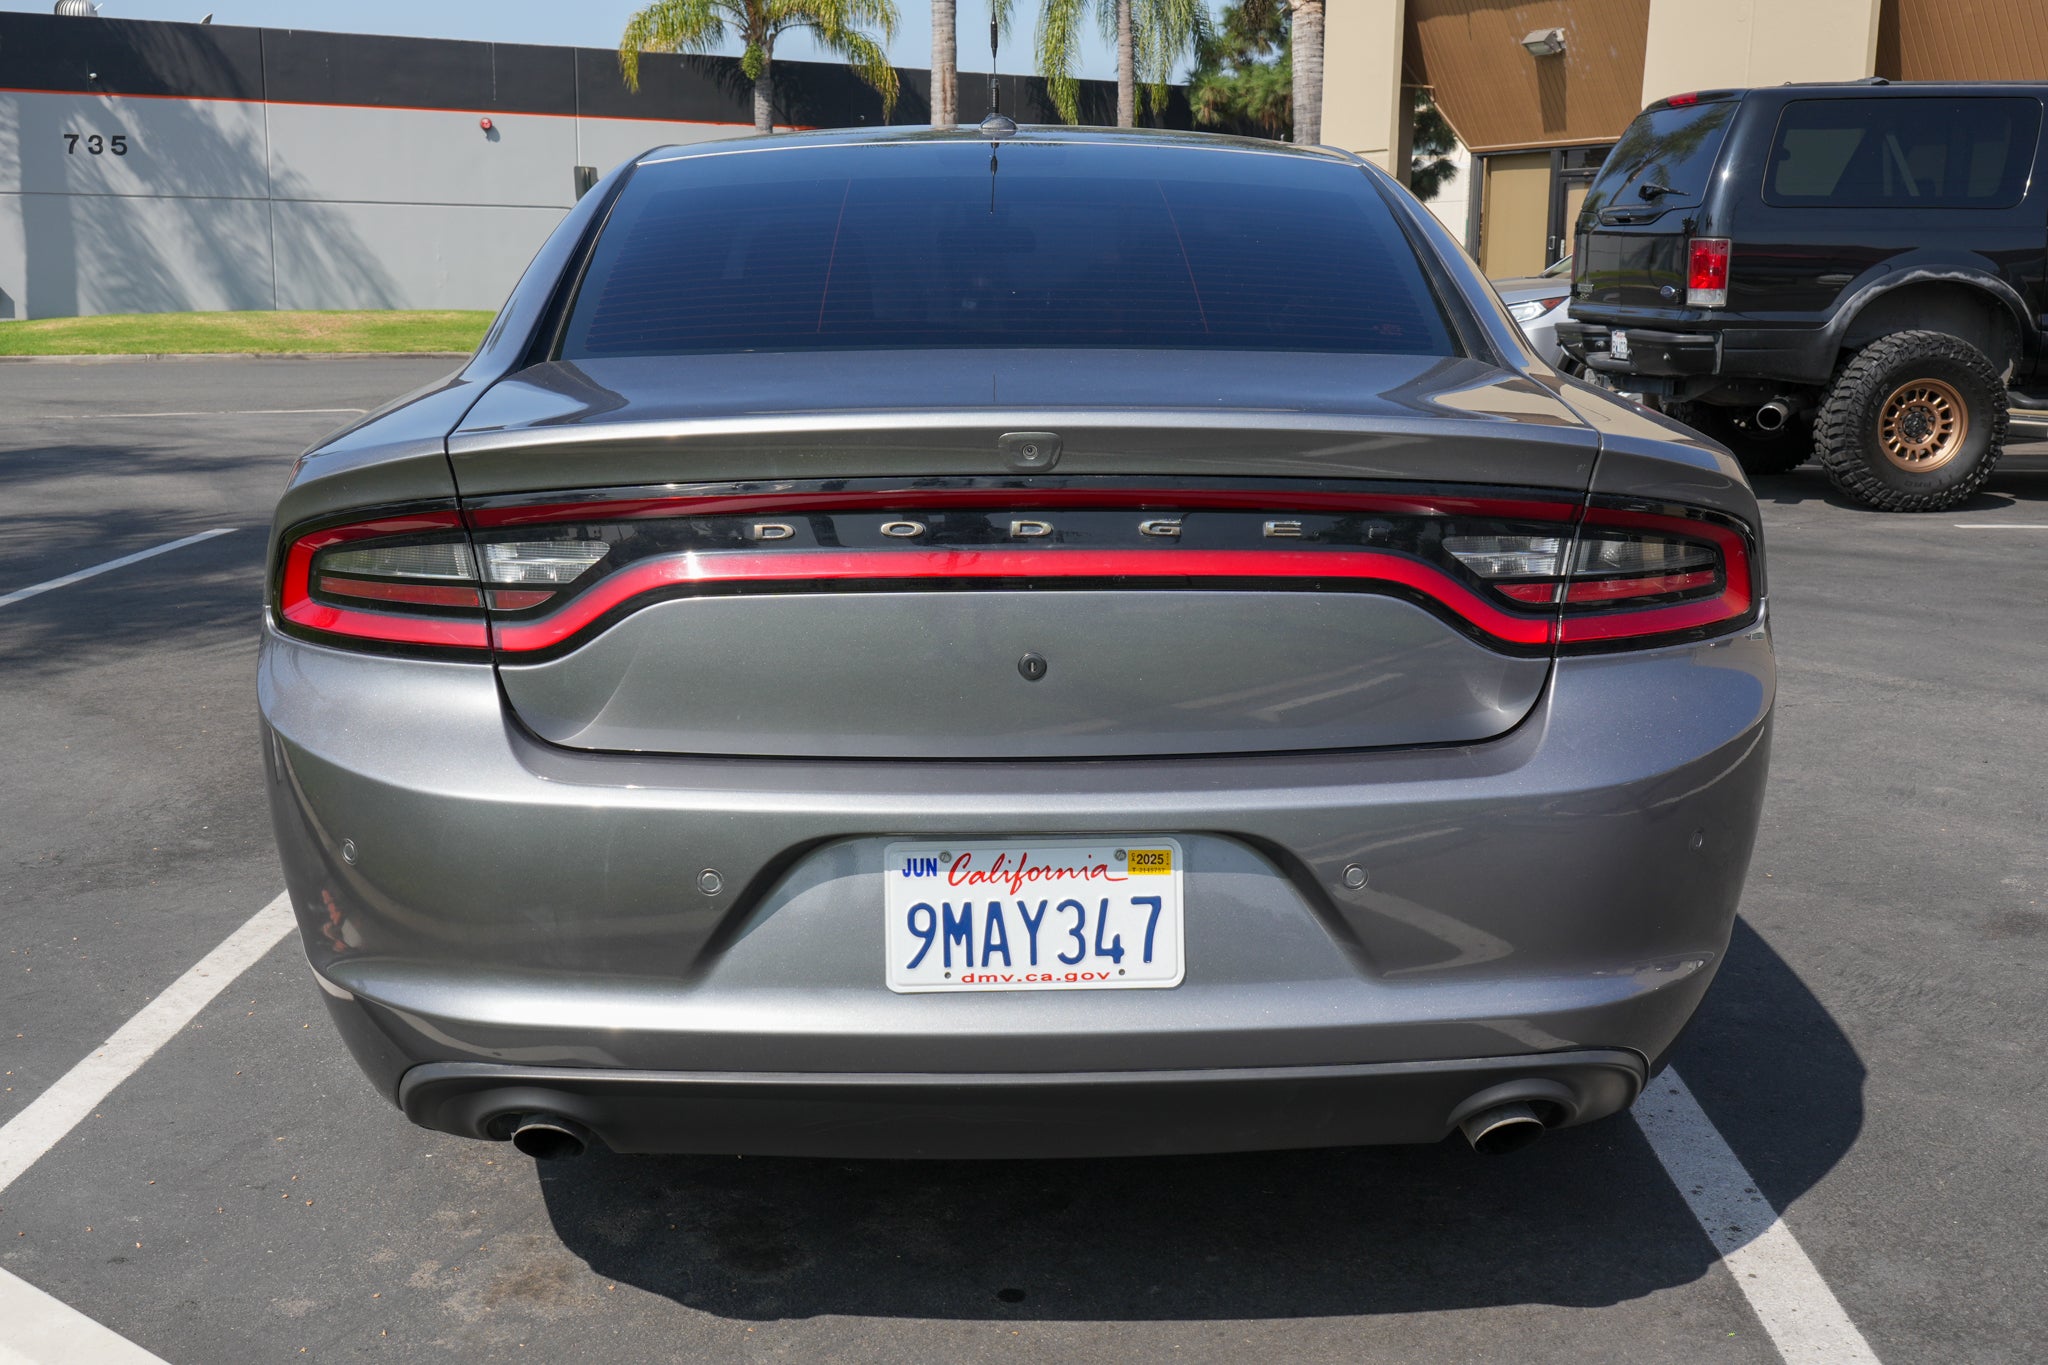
{"x": 1871, "y": 1053}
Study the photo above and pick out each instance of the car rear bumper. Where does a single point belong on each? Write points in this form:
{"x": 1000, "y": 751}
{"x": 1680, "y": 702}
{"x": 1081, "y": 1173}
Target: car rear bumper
{"x": 468, "y": 895}
{"x": 1071, "y": 1114}
{"x": 1780, "y": 355}
{"x": 1651, "y": 352}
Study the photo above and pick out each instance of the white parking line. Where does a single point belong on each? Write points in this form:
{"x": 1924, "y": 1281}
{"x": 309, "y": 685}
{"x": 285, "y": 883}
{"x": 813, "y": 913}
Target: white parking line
{"x": 2002, "y": 526}
{"x": 23, "y": 594}
{"x": 1798, "y": 1310}
{"x": 40, "y": 1330}
{"x": 45, "y": 1331}
{"x": 55, "y": 1112}
{"x": 1795, "y": 1306}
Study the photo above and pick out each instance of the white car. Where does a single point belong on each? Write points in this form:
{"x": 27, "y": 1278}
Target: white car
{"x": 1538, "y": 303}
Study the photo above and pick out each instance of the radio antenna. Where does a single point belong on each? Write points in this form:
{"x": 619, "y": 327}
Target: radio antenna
{"x": 996, "y": 124}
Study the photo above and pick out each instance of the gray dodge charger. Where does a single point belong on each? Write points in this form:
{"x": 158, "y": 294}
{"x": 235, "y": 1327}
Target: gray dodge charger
{"x": 1011, "y": 643}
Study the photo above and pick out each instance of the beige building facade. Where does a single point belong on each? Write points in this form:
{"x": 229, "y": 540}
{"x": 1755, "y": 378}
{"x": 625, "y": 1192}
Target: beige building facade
{"x": 1539, "y": 90}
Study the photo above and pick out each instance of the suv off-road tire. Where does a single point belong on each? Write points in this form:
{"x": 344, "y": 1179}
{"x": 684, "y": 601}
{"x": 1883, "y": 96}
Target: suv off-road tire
{"x": 1756, "y": 450}
{"x": 1917, "y": 373}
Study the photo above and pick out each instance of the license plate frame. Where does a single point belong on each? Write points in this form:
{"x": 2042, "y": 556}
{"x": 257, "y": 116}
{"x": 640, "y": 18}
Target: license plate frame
{"x": 1618, "y": 344}
{"x": 975, "y": 920}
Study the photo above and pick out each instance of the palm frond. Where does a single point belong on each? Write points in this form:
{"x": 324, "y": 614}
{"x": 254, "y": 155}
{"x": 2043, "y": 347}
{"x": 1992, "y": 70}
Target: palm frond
{"x": 869, "y": 60}
{"x": 1059, "y": 44}
{"x": 842, "y": 27}
{"x": 1162, "y": 32}
{"x": 669, "y": 26}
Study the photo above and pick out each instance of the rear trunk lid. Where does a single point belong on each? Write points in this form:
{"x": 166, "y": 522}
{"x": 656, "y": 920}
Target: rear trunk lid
{"x": 1062, "y": 556}
{"x": 1635, "y": 222}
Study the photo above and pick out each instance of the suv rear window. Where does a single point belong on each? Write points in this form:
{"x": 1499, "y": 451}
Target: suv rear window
{"x": 1673, "y": 147}
{"x": 961, "y": 244}
{"x": 1969, "y": 152}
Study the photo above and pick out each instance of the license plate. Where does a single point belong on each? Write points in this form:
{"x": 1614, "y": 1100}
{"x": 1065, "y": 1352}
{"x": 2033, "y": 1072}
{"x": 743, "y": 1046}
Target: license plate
{"x": 1014, "y": 916}
{"x": 1617, "y": 345}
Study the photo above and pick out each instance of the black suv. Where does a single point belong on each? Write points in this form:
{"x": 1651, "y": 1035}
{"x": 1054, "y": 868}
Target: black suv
{"x": 1857, "y": 271}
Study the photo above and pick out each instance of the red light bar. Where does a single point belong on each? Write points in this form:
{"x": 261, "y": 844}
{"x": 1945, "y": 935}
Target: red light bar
{"x": 751, "y": 566}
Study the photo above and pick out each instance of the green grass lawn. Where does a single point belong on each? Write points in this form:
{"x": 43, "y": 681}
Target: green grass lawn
{"x": 271, "y": 333}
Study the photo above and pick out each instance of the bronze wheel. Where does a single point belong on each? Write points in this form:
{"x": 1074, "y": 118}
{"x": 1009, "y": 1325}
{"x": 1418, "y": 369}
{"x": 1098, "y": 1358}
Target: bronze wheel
{"x": 1923, "y": 425}
{"x": 1914, "y": 422}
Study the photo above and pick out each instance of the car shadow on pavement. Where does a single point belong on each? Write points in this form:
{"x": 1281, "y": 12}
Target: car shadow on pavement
{"x": 1584, "y": 1218}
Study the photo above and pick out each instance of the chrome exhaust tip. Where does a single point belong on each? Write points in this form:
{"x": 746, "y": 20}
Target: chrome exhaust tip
{"x": 549, "y": 1137}
{"x": 1502, "y": 1129}
{"x": 1772, "y": 416}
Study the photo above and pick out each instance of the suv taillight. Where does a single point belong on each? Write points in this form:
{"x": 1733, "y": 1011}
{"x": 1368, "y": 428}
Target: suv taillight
{"x": 1706, "y": 273}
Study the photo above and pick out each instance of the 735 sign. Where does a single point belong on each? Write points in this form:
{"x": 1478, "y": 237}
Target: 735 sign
{"x": 96, "y": 144}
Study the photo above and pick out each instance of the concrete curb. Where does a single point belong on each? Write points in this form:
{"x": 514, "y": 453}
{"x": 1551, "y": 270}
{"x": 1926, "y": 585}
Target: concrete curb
{"x": 232, "y": 355}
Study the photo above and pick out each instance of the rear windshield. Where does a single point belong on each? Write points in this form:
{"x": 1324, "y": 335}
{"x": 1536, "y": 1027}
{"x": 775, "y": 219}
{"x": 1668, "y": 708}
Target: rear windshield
{"x": 964, "y": 244}
{"x": 1665, "y": 158}
{"x": 1969, "y": 152}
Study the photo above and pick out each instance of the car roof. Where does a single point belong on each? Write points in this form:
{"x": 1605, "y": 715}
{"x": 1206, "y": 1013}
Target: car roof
{"x": 1858, "y": 89}
{"x": 1040, "y": 134}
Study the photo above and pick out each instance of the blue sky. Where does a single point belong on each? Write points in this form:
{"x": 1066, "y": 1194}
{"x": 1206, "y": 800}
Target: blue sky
{"x": 580, "y": 23}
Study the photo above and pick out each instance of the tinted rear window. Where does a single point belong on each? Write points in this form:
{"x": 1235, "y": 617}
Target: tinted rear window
{"x": 870, "y": 247}
{"x": 1671, "y": 147}
{"x": 1972, "y": 152}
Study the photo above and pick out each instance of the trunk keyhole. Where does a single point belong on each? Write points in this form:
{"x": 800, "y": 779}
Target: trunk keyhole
{"x": 1032, "y": 666}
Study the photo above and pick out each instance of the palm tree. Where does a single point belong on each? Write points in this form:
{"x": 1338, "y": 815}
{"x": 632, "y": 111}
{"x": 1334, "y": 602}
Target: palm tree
{"x": 1305, "y": 30}
{"x": 946, "y": 58}
{"x": 1151, "y": 35}
{"x": 945, "y": 64}
{"x": 1431, "y": 168}
{"x": 699, "y": 25}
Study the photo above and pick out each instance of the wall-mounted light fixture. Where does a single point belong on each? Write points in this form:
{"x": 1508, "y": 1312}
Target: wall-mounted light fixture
{"x": 1545, "y": 42}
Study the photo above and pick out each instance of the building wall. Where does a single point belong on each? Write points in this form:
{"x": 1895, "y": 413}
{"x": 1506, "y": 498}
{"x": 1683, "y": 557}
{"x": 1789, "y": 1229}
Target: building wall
{"x": 1515, "y": 214}
{"x": 1500, "y": 98}
{"x": 263, "y": 168}
{"x": 1962, "y": 40}
{"x": 1362, "y": 95}
{"x": 1453, "y": 203}
{"x": 1723, "y": 44}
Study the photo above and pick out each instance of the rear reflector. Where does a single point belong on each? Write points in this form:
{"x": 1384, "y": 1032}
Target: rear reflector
{"x": 1706, "y": 273}
{"x": 1521, "y": 574}
{"x": 411, "y": 594}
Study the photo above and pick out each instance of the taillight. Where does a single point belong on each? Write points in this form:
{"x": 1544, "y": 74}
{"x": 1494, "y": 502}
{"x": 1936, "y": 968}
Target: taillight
{"x": 414, "y": 580}
{"x": 1523, "y": 573}
{"x": 1706, "y": 273}
{"x": 402, "y": 580}
{"x": 1628, "y": 577}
